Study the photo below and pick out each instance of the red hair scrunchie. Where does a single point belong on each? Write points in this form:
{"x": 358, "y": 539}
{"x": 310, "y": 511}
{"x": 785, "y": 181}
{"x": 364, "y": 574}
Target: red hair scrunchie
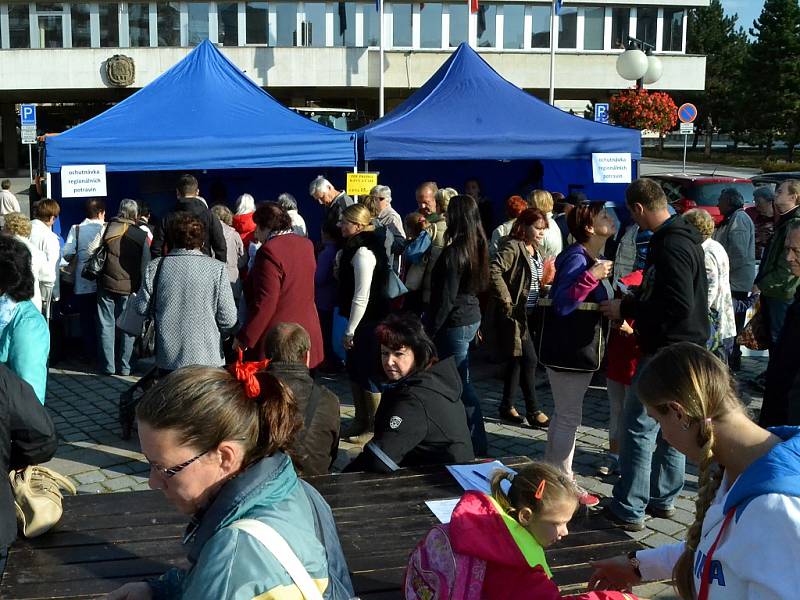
{"x": 245, "y": 372}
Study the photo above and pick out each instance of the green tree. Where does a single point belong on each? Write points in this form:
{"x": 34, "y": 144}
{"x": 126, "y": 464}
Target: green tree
{"x": 713, "y": 33}
{"x": 773, "y": 74}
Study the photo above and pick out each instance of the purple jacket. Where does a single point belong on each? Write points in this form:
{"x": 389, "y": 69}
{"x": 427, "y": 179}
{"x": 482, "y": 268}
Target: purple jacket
{"x": 324, "y": 281}
{"x": 574, "y": 283}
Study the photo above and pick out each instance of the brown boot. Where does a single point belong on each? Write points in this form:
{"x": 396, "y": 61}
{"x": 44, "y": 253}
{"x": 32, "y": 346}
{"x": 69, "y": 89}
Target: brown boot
{"x": 359, "y": 423}
{"x": 371, "y": 402}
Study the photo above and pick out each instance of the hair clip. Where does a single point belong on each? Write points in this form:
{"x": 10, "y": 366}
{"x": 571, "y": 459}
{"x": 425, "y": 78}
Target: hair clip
{"x": 245, "y": 372}
{"x": 540, "y": 490}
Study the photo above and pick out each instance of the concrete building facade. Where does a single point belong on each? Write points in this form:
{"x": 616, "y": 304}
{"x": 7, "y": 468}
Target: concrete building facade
{"x": 326, "y": 53}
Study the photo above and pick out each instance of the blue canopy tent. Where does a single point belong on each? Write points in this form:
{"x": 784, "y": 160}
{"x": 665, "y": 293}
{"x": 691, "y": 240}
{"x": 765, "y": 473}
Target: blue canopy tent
{"x": 468, "y": 112}
{"x": 202, "y": 114}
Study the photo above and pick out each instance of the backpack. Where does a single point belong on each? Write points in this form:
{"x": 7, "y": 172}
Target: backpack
{"x": 437, "y": 572}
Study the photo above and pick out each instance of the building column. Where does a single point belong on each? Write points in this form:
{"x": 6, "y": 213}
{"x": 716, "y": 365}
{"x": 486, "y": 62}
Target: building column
{"x": 8, "y": 114}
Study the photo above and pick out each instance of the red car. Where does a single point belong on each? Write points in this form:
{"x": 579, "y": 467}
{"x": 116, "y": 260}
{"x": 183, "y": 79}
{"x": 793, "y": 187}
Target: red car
{"x": 687, "y": 190}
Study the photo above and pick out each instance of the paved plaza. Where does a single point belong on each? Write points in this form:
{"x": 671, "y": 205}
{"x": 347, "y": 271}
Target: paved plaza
{"x": 83, "y": 405}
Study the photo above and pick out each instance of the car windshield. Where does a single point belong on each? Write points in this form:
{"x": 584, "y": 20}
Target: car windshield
{"x": 707, "y": 194}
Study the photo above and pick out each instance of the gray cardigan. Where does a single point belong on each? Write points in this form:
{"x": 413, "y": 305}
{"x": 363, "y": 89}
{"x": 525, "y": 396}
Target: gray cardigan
{"x": 194, "y": 304}
{"x": 737, "y": 235}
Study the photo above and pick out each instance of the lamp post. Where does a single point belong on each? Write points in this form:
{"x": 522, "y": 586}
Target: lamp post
{"x": 639, "y": 64}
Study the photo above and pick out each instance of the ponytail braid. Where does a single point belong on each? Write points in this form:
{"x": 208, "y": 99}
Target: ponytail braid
{"x": 709, "y": 482}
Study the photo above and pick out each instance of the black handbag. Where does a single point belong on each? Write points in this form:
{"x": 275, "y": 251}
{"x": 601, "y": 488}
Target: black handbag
{"x": 573, "y": 342}
{"x": 97, "y": 260}
{"x": 145, "y": 344}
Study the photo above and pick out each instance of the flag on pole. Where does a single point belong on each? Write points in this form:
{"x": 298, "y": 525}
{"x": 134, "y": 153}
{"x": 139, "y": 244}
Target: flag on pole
{"x": 558, "y": 7}
{"x": 473, "y": 6}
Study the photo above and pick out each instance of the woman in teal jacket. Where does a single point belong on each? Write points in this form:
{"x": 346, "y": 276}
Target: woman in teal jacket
{"x": 216, "y": 443}
{"x": 24, "y": 336}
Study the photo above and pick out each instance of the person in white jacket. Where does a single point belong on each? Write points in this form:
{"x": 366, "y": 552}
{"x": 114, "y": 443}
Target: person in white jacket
{"x": 745, "y": 541}
{"x": 19, "y": 226}
{"x": 43, "y": 238}
{"x": 552, "y": 244}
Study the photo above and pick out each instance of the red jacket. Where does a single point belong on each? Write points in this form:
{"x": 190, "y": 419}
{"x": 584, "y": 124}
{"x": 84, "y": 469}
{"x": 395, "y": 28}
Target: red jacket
{"x": 280, "y": 289}
{"x": 244, "y": 226}
{"x": 477, "y": 528}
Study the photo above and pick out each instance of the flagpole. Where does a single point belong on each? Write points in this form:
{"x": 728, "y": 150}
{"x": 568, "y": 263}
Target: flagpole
{"x": 381, "y": 103}
{"x": 552, "y": 97}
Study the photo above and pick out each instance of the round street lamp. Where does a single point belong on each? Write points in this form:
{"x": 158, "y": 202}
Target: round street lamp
{"x": 636, "y": 65}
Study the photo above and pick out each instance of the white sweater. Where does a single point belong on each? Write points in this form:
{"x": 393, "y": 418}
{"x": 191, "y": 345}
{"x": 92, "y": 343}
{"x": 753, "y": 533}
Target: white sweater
{"x": 757, "y": 557}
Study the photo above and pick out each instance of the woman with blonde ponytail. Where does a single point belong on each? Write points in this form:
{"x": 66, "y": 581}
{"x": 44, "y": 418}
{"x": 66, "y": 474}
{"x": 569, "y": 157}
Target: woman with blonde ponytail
{"x": 745, "y": 540}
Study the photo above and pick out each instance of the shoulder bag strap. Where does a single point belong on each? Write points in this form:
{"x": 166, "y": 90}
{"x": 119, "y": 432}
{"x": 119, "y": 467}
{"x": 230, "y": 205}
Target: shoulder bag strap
{"x": 704, "y": 583}
{"x": 277, "y": 546}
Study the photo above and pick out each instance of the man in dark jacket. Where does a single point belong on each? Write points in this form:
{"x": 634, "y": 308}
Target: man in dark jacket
{"x": 333, "y": 201}
{"x": 782, "y": 393}
{"x": 288, "y": 346}
{"x": 420, "y": 420}
{"x": 670, "y": 306}
{"x": 27, "y": 437}
{"x": 189, "y": 201}
{"x": 128, "y": 255}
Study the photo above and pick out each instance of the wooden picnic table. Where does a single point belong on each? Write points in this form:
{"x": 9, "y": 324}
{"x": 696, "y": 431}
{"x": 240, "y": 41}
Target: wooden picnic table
{"x": 105, "y": 540}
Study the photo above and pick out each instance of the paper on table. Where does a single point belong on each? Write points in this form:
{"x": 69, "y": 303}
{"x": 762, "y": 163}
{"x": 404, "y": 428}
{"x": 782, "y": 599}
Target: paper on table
{"x": 477, "y": 476}
{"x": 442, "y": 509}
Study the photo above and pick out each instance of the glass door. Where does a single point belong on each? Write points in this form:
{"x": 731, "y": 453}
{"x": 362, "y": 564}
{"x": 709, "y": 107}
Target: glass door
{"x": 312, "y": 19}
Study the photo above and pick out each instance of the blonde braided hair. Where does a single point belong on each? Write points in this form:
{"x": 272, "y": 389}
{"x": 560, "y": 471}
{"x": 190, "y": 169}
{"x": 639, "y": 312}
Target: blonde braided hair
{"x": 701, "y": 384}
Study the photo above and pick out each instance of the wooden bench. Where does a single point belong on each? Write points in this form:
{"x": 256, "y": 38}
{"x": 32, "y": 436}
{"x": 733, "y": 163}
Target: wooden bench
{"x": 106, "y": 540}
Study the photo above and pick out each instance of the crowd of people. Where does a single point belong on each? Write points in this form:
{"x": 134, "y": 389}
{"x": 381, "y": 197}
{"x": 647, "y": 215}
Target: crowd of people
{"x": 397, "y": 306}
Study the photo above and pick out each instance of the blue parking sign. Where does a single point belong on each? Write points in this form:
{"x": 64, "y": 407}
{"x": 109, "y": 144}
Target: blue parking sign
{"x": 27, "y": 114}
{"x": 601, "y": 112}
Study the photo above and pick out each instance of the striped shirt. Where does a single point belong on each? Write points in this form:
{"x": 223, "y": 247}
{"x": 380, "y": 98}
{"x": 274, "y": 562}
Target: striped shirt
{"x": 537, "y": 267}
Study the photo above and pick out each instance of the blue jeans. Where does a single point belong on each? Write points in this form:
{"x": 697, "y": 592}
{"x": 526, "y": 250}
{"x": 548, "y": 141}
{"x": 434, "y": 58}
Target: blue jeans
{"x": 455, "y": 342}
{"x": 651, "y": 471}
{"x": 109, "y": 308}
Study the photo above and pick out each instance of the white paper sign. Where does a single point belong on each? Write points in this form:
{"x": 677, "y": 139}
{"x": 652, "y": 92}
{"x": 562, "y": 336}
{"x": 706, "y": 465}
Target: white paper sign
{"x": 611, "y": 167}
{"x": 83, "y": 181}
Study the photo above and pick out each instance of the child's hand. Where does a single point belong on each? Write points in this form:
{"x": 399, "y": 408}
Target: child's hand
{"x": 613, "y": 574}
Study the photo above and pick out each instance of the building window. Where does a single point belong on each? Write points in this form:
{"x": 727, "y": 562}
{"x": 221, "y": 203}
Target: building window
{"x": 286, "y": 24}
{"x": 139, "y": 24}
{"x": 256, "y": 15}
{"x": 513, "y": 26}
{"x": 344, "y": 24}
{"x": 594, "y": 18}
{"x": 568, "y": 28}
{"x": 646, "y": 19}
{"x": 541, "y": 27}
{"x": 372, "y": 28}
{"x": 19, "y": 31}
{"x": 81, "y": 28}
{"x": 198, "y": 22}
{"x": 109, "y": 25}
{"x": 169, "y": 24}
{"x": 401, "y": 25}
{"x": 487, "y": 22}
{"x": 620, "y": 27}
{"x": 430, "y": 19}
{"x": 672, "y": 40}
{"x": 314, "y": 24}
{"x": 50, "y": 25}
{"x": 459, "y": 23}
{"x": 228, "y": 23}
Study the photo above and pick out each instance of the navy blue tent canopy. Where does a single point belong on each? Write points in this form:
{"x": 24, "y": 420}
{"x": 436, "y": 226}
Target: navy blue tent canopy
{"x": 203, "y": 113}
{"x": 466, "y": 111}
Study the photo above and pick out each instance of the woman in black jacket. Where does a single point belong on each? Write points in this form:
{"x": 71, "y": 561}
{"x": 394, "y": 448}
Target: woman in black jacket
{"x": 27, "y": 437}
{"x": 461, "y": 273}
{"x": 421, "y": 419}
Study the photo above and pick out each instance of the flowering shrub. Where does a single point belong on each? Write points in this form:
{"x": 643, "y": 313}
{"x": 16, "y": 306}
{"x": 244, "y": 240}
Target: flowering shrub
{"x": 640, "y": 109}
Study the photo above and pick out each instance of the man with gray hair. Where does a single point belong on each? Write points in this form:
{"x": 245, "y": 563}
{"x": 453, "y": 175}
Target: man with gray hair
{"x": 128, "y": 255}
{"x": 332, "y": 199}
{"x": 8, "y": 201}
{"x": 737, "y": 234}
{"x": 288, "y": 203}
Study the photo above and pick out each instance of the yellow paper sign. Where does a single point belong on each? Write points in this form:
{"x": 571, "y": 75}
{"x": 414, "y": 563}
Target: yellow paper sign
{"x": 360, "y": 184}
